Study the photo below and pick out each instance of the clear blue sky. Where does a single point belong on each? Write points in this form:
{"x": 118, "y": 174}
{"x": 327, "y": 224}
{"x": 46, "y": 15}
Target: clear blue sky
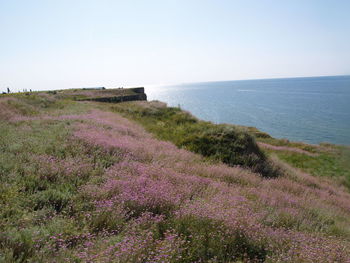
{"x": 70, "y": 43}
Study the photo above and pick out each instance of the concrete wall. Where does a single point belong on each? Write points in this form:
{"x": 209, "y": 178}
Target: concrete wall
{"x": 141, "y": 96}
{"x": 138, "y": 90}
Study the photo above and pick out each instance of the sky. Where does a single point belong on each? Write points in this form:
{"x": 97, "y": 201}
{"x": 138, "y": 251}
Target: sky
{"x": 47, "y": 44}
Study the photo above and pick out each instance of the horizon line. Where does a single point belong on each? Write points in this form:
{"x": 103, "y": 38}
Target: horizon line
{"x": 228, "y": 80}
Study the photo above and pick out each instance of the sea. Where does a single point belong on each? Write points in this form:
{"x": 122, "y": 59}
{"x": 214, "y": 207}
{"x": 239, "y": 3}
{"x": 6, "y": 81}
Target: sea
{"x": 310, "y": 109}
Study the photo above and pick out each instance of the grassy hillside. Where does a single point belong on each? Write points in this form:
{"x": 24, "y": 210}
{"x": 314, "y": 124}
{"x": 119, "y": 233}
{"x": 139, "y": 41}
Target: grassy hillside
{"x": 227, "y": 143}
{"x": 325, "y": 160}
{"x": 238, "y": 145}
{"x": 79, "y": 182}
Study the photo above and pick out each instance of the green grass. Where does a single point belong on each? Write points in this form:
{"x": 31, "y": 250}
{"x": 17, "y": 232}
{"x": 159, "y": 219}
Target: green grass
{"x": 327, "y": 160}
{"x": 284, "y": 142}
{"x": 230, "y": 144}
{"x": 329, "y": 164}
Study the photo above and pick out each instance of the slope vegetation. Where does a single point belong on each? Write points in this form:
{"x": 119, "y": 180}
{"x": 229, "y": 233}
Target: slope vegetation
{"x": 81, "y": 183}
{"x": 227, "y": 143}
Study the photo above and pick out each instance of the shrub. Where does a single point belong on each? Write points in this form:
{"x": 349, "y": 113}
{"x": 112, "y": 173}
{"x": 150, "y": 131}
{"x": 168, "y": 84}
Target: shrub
{"x": 210, "y": 240}
{"x": 227, "y": 143}
{"x": 19, "y": 244}
{"x": 57, "y": 199}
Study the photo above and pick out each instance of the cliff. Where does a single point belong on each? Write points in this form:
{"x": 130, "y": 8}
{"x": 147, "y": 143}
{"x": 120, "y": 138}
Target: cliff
{"x": 116, "y": 95}
{"x": 85, "y": 181}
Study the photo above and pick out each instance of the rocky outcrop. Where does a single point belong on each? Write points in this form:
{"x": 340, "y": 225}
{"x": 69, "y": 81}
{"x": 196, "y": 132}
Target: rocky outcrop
{"x": 132, "y": 94}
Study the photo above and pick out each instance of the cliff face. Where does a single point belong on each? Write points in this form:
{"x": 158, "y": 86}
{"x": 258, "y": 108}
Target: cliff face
{"x": 116, "y": 99}
{"x": 119, "y": 95}
{"x": 100, "y": 94}
{"x": 138, "y": 90}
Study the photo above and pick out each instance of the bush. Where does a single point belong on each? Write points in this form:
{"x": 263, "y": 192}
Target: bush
{"x": 52, "y": 198}
{"x": 19, "y": 244}
{"x": 210, "y": 240}
{"x": 227, "y": 143}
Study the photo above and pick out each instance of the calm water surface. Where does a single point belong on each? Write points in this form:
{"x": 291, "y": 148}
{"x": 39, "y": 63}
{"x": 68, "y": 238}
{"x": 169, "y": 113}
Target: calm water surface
{"x": 311, "y": 110}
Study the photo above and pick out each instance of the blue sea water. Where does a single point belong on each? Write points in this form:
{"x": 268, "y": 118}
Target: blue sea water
{"x": 312, "y": 110}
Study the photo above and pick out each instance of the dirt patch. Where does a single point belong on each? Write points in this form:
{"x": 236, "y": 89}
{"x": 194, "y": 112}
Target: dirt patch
{"x": 285, "y": 148}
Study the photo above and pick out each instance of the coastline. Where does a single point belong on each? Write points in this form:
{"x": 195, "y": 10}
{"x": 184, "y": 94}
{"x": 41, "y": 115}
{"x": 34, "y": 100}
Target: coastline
{"x": 311, "y": 110}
